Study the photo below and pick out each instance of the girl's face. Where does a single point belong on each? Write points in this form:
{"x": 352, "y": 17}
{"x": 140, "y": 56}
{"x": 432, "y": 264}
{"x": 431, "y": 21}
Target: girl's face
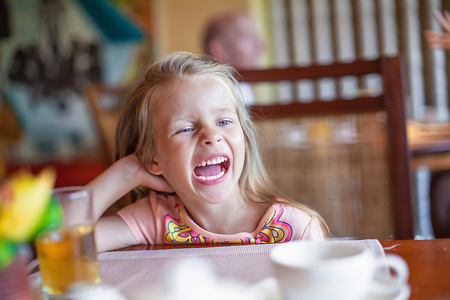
{"x": 200, "y": 145}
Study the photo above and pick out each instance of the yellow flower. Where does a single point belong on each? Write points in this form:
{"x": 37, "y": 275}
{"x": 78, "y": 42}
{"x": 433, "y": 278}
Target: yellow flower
{"x": 24, "y": 203}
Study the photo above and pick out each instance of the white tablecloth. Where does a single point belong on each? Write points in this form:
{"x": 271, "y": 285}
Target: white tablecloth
{"x": 135, "y": 273}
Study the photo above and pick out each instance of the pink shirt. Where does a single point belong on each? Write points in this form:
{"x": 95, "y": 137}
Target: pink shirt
{"x": 162, "y": 219}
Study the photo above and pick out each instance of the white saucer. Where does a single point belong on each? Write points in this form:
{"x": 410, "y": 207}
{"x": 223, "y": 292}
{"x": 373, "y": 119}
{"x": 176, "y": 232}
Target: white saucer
{"x": 276, "y": 294}
{"x": 403, "y": 294}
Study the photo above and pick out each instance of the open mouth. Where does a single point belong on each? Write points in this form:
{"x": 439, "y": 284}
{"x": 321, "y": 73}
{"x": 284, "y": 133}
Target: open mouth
{"x": 212, "y": 169}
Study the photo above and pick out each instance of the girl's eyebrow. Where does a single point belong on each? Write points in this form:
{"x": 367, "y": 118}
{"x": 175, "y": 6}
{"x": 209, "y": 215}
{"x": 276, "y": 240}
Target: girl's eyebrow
{"x": 173, "y": 122}
{"x": 226, "y": 109}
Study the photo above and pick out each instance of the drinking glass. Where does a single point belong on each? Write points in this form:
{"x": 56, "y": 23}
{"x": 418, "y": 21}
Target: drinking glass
{"x": 67, "y": 255}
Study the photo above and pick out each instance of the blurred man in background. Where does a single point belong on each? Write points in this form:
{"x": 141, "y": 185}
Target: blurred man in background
{"x": 233, "y": 38}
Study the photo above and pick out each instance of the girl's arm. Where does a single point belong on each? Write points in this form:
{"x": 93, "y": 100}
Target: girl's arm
{"x": 120, "y": 178}
{"x": 112, "y": 233}
{"x": 123, "y": 176}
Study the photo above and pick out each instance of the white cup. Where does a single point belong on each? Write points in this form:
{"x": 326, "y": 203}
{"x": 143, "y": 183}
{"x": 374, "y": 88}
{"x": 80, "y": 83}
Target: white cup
{"x": 333, "y": 270}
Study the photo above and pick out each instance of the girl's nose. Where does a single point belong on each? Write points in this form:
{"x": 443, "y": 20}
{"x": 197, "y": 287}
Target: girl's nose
{"x": 211, "y": 137}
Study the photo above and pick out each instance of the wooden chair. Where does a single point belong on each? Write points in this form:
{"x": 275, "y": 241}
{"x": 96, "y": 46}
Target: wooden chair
{"x": 106, "y": 103}
{"x": 346, "y": 158}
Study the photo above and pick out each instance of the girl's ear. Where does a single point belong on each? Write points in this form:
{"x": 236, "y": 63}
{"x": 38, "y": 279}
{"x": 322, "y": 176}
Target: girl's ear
{"x": 155, "y": 167}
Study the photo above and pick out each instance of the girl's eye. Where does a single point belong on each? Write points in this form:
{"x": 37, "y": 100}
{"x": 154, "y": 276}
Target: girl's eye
{"x": 185, "y": 130}
{"x": 224, "y": 122}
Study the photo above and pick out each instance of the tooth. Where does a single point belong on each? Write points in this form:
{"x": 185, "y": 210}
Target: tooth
{"x": 213, "y": 161}
{"x": 213, "y": 177}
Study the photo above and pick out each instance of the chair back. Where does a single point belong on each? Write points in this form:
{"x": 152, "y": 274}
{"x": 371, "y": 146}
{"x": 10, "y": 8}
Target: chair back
{"x": 346, "y": 158}
{"x": 106, "y": 103}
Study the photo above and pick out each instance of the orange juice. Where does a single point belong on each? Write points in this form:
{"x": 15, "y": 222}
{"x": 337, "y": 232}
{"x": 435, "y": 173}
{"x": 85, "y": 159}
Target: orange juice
{"x": 67, "y": 258}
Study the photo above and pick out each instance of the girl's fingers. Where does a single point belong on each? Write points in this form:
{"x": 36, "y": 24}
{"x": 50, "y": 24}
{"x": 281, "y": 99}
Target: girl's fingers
{"x": 443, "y": 20}
{"x": 447, "y": 16}
{"x": 439, "y": 17}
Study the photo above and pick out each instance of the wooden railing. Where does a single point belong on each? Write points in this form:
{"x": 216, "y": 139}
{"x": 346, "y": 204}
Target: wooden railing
{"x": 325, "y": 31}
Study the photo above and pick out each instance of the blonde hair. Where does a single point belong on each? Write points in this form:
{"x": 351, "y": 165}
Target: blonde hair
{"x": 135, "y": 127}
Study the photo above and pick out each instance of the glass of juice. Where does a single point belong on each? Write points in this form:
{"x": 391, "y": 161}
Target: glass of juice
{"x": 67, "y": 255}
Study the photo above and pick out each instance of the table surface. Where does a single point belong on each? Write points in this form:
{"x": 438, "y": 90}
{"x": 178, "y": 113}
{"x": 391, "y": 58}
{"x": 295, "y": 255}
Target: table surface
{"x": 428, "y": 260}
{"x": 429, "y": 145}
{"x": 429, "y": 266}
{"x": 428, "y": 138}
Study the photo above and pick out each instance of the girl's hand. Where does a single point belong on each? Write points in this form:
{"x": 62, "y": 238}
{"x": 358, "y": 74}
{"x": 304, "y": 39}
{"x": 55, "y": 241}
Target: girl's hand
{"x": 443, "y": 19}
{"x": 136, "y": 170}
{"x": 123, "y": 176}
{"x": 438, "y": 39}
{"x": 120, "y": 178}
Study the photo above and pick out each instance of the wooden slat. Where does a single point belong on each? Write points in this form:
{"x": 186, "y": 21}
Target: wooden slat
{"x": 313, "y": 41}
{"x": 335, "y": 70}
{"x": 318, "y": 107}
{"x": 290, "y": 30}
{"x": 401, "y": 7}
{"x": 291, "y": 37}
{"x": 429, "y": 75}
{"x": 106, "y": 120}
{"x": 446, "y": 7}
{"x": 393, "y": 87}
{"x": 312, "y": 30}
{"x": 357, "y": 34}
{"x": 380, "y": 26}
{"x": 335, "y": 38}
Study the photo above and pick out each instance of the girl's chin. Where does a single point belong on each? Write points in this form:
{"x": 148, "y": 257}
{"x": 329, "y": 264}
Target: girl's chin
{"x": 214, "y": 194}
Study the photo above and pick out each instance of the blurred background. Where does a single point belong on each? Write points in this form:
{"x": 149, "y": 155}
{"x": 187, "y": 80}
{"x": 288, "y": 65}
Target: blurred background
{"x": 51, "y": 51}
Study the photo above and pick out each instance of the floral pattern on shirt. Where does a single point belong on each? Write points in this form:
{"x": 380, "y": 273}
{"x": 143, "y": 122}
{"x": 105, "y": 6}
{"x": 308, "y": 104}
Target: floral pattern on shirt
{"x": 177, "y": 231}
